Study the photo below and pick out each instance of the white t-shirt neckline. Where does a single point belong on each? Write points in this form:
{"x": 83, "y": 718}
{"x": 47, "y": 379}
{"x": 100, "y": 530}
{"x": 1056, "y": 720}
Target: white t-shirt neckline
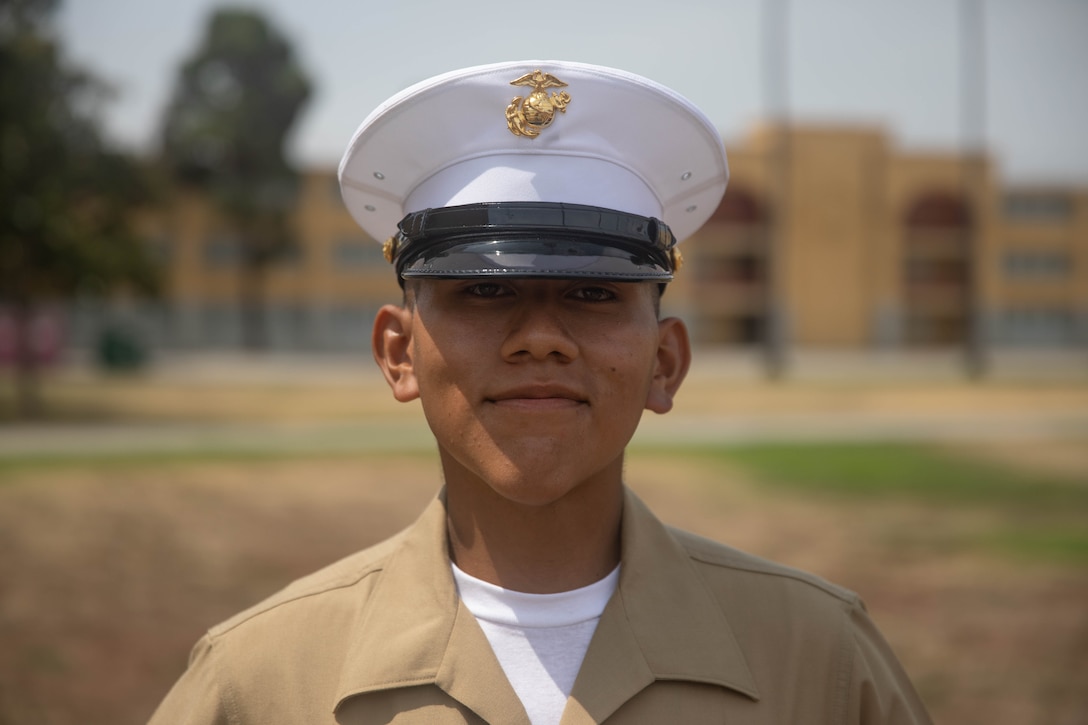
{"x": 492, "y": 603}
{"x": 539, "y": 640}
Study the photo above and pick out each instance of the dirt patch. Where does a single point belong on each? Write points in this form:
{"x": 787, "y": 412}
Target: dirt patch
{"x": 109, "y": 576}
{"x": 1066, "y": 459}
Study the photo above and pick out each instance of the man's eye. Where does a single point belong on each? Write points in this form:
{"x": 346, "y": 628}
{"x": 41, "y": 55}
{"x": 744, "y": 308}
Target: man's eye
{"x": 485, "y": 289}
{"x": 594, "y": 294}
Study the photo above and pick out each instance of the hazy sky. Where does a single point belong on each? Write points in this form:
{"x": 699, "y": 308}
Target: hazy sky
{"x": 889, "y": 62}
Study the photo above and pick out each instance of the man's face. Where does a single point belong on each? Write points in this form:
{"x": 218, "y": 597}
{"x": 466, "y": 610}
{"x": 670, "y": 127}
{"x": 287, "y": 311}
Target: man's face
{"x": 535, "y": 386}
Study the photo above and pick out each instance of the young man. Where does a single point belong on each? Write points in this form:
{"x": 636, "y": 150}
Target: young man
{"x": 535, "y": 237}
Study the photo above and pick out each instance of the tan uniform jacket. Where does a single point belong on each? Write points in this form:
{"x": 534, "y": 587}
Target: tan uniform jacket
{"x": 695, "y": 633}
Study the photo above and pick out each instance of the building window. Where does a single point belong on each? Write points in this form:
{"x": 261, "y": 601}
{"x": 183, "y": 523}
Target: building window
{"x": 936, "y": 268}
{"x": 938, "y": 210}
{"x": 349, "y": 326}
{"x": 1038, "y": 326}
{"x": 1024, "y": 264}
{"x": 1038, "y": 207}
{"x": 733, "y": 269}
{"x": 935, "y": 329}
{"x": 353, "y": 253}
{"x": 222, "y": 251}
{"x": 220, "y": 325}
{"x": 936, "y": 272}
{"x": 740, "y": 206}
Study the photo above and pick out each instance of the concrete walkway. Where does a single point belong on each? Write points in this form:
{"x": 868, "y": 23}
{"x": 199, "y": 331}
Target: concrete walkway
{"x": 124, "y": 439}
{"x": 690, "y": 424}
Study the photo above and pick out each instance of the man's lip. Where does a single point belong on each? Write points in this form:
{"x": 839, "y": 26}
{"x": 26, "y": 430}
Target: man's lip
{"x": 541, "y": 392}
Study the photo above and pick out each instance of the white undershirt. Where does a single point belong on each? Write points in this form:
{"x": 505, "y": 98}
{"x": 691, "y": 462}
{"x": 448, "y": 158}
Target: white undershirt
{"x": 539, "y": 639}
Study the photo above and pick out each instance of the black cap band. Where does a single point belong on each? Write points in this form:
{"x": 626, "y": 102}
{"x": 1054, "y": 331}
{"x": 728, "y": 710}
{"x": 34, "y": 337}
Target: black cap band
{"x": 532, "y": 239}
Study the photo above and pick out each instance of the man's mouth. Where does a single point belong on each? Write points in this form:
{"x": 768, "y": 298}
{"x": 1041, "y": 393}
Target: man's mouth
{"x": 539, "y": 397}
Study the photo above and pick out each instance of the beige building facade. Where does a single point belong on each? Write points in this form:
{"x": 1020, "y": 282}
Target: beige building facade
{"x": 854, "y": 244}
{"x": 844, "y": 240}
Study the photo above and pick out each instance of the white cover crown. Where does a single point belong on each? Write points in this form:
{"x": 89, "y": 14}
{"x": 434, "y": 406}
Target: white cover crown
{"x": 623, "y": 142}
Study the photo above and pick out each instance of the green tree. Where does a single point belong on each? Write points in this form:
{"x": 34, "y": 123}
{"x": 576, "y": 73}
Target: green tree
{"x": 67, "y": 197}
{"x": 225, "y": 133}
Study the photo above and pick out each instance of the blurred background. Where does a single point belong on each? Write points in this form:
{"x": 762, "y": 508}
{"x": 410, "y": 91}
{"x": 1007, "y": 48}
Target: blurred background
{"x": 890, "y": 308}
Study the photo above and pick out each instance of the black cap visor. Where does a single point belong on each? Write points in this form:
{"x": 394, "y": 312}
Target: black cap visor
{"x": 533, "y": 239}
{"x": 536, "y": 258}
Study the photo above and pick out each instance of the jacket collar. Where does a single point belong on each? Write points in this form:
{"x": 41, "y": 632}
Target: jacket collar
{"x": 421, "y": 633}
{"x": 662, "y": 624}
{"x": 415, "y": 631}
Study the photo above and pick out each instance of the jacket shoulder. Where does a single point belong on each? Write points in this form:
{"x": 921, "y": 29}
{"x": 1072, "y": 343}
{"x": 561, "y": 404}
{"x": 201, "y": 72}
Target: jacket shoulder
{"x": 723, "y": 560}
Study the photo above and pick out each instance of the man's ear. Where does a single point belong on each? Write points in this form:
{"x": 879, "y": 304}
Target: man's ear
{"x": 391, "y": 342}
{"x": 673, "y": 361}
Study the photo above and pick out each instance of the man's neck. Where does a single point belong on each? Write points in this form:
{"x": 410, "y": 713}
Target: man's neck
{"x": 559, "y": 546}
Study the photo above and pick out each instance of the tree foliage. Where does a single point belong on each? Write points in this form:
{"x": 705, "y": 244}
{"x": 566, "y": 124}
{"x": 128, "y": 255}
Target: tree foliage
{"x": 64, "y": 228}
{"x": 225, "y": 133}
{"x": 65, "y": 219}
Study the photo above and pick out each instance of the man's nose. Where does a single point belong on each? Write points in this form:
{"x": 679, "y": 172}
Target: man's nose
{"x": 539, "y": 331}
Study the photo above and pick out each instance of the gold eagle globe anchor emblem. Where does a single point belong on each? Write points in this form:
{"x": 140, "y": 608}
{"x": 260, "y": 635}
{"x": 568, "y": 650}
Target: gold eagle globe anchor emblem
{"x": 529, "y": 116}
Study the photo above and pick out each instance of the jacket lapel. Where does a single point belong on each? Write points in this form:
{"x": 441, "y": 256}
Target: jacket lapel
{"x": 472, "y": 675}
{"x": 413, "y": 630}
{"x": 661, "y": 624}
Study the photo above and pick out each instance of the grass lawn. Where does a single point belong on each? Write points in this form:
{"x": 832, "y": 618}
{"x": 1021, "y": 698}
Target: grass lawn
{"x": 921, "y": 472}
{"x": 1033, "y": 515}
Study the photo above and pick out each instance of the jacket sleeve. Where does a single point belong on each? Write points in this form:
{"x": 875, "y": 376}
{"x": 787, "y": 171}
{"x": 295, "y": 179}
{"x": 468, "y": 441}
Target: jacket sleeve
{"x": 876, "y": 689}
{"x": 200, "y": 696}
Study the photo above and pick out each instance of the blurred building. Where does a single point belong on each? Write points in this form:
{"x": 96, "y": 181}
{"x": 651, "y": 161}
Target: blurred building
{"x": 854, "y": 243}
{"x": 858, "y": 244}
{"x": 322, "y": 296}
